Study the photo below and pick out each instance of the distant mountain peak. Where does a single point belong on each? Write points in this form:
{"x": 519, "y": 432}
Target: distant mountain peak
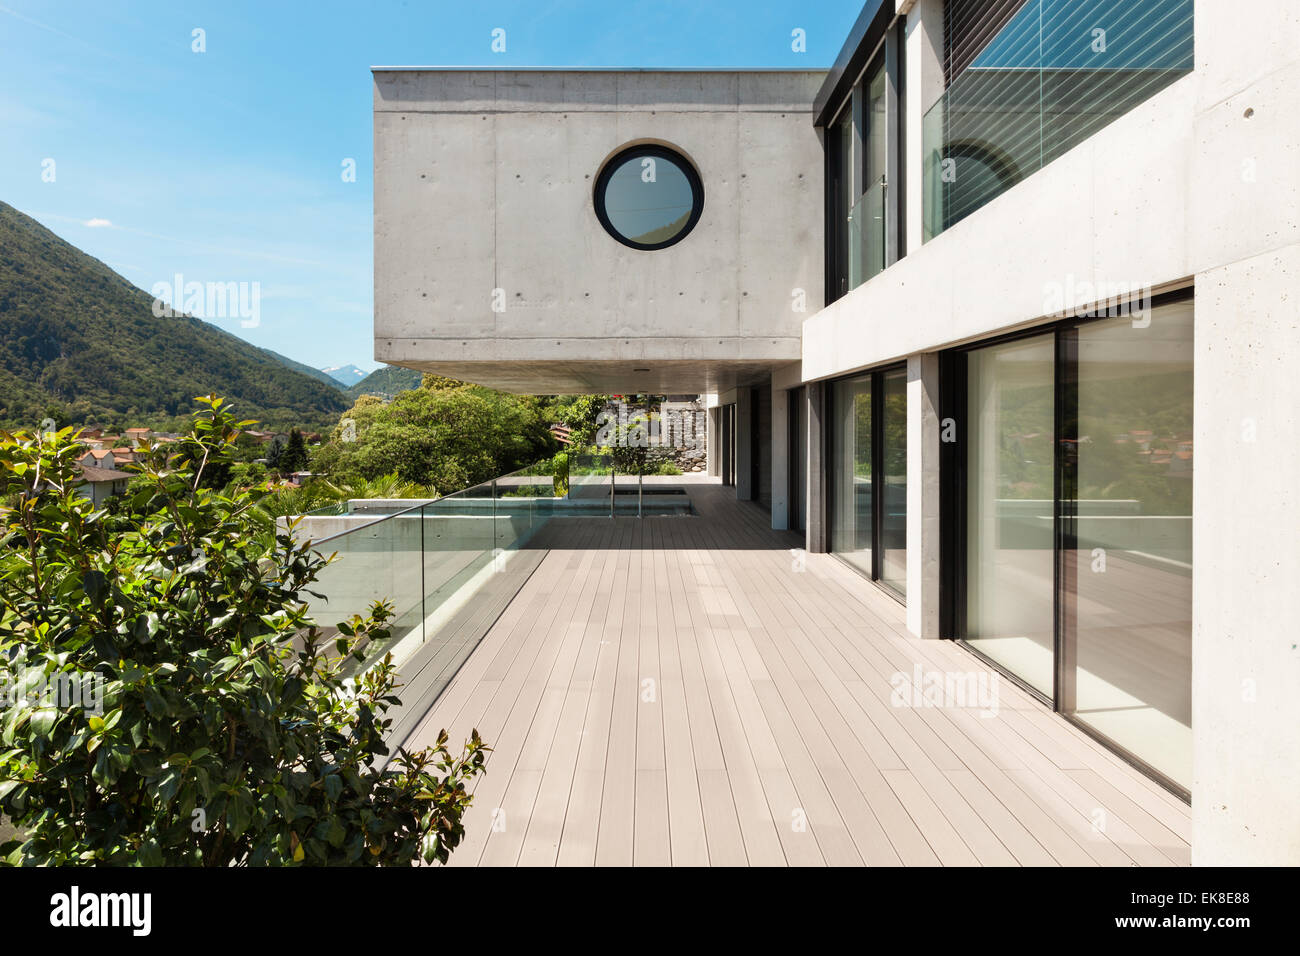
{"x": 345, "y": 375}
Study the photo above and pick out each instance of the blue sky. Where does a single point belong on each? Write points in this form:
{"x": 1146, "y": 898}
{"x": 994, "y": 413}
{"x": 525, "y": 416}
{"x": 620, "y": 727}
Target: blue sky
{"x": 225, "y": 165}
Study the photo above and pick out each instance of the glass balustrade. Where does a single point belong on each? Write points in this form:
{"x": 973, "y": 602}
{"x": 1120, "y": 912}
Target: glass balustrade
{"x": 444, "y": 564}
{"x": 867, "y": 235}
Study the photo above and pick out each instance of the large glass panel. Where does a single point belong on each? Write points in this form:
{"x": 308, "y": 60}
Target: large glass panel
{"x": 649, "y": 197}
{"x": 867, "y": 217}
{"x": 1131, "y": 573}
{"x": 873, "y": 126}
{"x": 893, "y": 478}
{"x": 845, "y": 196}
{"x": 1055, "y": 74}
{"x": 851, "y": 471}
{"x": 1009, "y": 507}
{"x": 374, "y": 560}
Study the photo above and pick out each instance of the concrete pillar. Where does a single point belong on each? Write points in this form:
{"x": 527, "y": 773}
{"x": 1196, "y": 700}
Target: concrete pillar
{"x": 745, "y": 490}
{"x": 780, "y": 458}
{"x": 923, "y": 85}
{"x": 923, "y": 495}
{"x": 1246, "y": 552}
{"x": 815, "y": 521}
{"x": 1243, "y": 225}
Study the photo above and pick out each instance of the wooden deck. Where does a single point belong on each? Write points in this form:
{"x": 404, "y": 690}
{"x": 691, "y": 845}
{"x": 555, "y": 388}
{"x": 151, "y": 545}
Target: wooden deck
{"x": 684, "y": 691}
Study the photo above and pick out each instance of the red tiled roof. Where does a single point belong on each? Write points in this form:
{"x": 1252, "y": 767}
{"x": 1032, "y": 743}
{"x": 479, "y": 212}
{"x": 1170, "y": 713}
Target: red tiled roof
{"x": 100, "y": 475}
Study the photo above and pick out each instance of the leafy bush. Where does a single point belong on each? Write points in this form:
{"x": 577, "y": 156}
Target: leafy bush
{"x": 171, "y": 700}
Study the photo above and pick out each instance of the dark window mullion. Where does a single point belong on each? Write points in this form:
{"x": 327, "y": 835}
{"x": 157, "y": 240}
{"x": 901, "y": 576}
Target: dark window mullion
{"x": 952, "y": 491}
{"x": 1065, "y": 514}
{"x": 877, "y": 470}
{"x": 895, "y": 240}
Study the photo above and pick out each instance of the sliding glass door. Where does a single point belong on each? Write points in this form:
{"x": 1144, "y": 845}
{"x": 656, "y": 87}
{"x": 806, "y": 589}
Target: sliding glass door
{"x": 1009, "y": 531}
{"x": 1070, "y": 493}
{"x": 868, "y": 486}
{"x": 1127, "y": 580}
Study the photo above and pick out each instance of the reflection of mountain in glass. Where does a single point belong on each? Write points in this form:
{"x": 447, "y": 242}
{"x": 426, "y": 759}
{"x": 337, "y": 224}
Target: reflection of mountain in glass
{"x": 648, "y": 212}
{"x": 663, "y": 233}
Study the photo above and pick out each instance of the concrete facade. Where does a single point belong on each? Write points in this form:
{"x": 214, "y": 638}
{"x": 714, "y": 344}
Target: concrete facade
{"x": 1196, "y": 187}
{"x": 490, "y": 263}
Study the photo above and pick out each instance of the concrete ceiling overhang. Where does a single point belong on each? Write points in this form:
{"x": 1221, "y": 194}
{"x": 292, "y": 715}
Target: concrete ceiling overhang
{"x": 693, "y": 377}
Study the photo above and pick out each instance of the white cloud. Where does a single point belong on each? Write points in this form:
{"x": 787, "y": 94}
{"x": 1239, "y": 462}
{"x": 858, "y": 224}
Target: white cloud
{"x": 97, "y": 223}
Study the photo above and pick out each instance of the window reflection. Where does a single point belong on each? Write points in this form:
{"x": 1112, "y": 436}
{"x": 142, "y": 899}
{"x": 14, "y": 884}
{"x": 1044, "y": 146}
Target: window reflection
{"x": 1009, "y": 501}
{"x": 1132, "y": 567}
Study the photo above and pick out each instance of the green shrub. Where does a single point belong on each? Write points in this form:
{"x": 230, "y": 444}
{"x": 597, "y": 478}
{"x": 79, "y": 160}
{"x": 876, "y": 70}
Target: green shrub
{"x": 171, "y": 700}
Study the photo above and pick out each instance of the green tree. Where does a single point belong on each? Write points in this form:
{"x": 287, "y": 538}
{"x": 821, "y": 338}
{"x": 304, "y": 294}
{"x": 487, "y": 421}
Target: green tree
{"x": 294, "y": 456}
{"x": 447, "y": 438}
{"x": 438, "y": 383}
{"x": 222, "y": 731}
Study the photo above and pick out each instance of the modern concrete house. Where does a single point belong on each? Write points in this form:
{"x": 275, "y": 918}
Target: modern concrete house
{"x": 999, "y": 317}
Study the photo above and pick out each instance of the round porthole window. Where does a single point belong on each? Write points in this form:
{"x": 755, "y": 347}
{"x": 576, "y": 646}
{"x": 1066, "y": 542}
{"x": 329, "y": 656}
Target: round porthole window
{"x": 649, "y": 197}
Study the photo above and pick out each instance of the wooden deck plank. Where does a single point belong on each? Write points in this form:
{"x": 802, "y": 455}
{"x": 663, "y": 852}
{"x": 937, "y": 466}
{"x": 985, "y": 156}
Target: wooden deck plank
{"x": 676, "y": 690}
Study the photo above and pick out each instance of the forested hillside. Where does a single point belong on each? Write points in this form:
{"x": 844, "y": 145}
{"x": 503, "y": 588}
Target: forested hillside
{"x": 81, "y": 344}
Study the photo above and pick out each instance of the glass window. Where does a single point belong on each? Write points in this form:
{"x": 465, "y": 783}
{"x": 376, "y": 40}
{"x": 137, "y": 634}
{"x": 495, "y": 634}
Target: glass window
{"x": 867, "y": 217}
{"x": 893, "y": 482}
{"x": 869, "y": 475}
{"x": 648, "y": 197}
{"x": 851, "y": 530}
{"x": 1075, "y": 573}
{"x": 1009, "y": 507}
{"x": 858, "y": 147}
{"x": 1129, "y": 590}
{"x": 1053, "y": 75}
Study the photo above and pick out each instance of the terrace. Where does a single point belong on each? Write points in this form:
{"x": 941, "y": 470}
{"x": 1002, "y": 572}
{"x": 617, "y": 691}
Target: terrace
{"x": 695, "y": 690}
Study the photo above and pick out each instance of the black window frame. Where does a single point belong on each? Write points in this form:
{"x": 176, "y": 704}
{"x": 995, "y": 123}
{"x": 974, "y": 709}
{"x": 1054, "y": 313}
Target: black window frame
{"x": 661, "y": 152}
{"x": 877, "y": 376}
{"x": 887, "y": 56}
{"x": 953, "y": 473}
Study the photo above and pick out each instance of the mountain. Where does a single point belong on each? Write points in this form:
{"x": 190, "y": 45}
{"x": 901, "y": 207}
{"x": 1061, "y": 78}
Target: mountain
{"x": 81, "y": 344}
{"x": 345, "y": 375}
{"x": 318, "y": 374}
{"x": 386, "y": 382}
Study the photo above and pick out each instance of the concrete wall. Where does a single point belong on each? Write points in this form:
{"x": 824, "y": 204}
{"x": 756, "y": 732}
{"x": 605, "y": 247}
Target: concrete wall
{"x": 484, "y": 179}
{"x": 1243, "y": 219}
